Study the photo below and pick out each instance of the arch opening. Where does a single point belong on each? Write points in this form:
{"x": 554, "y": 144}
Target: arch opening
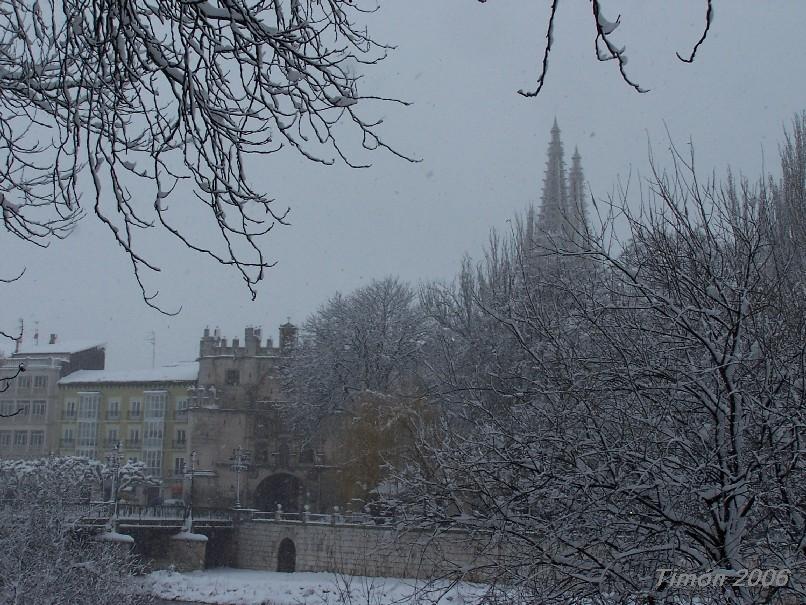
{"x": 282, "y": 489}
{"x": 287, "y": 556}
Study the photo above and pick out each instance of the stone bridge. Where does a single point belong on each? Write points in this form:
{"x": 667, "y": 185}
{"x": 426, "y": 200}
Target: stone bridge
{"x": 367, "y": 547}
{"x": 354, "y": 544}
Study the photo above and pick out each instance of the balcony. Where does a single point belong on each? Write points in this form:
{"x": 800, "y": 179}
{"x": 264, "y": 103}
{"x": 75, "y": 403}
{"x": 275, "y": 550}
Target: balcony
{"x": 113, "y": 417}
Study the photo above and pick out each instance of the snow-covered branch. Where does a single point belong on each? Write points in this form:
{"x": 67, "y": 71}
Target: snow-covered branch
{"x": 143, "y": 102}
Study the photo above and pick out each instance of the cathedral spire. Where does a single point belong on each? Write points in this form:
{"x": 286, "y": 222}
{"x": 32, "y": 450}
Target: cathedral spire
{"x": 563, "y": 215}
{"x": 555, "y": 190}
{"x": 577, "y": 211}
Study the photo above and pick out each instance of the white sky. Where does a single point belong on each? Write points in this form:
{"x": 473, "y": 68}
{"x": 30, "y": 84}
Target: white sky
{"x": 483, "y": 148}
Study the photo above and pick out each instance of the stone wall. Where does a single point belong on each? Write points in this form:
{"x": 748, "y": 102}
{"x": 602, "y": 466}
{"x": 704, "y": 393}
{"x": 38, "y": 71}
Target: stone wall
{"x": 367, "y": 550}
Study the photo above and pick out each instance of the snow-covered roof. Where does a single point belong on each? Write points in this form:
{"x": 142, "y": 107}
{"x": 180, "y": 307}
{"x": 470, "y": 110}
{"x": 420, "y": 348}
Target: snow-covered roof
{"x": 66, "y": 347}
{"x": 178, "y": 372}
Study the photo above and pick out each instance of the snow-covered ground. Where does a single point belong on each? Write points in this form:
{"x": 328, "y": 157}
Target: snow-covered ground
{"x": 248, "y": 587}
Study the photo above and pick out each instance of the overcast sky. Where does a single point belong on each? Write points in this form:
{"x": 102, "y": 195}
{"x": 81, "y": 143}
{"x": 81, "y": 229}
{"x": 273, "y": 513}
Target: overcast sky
{"x": 483, "y": 151}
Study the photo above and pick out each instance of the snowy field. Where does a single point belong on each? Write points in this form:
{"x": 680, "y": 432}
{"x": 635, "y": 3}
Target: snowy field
{"x": 247, "y": 587}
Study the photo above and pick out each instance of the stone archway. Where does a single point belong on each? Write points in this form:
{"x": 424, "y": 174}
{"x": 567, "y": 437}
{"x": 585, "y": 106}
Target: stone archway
{"x": 281, "y": 488}
{"x": 287, "y": 556}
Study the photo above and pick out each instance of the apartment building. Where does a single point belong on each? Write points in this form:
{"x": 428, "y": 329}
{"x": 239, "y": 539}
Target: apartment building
{"x": 29, "y": 401}
{"x": 145, "y": 411}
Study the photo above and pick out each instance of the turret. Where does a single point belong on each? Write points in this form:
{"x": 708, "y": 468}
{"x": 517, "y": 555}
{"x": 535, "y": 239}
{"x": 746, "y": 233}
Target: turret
{"x": 288, "y": 336}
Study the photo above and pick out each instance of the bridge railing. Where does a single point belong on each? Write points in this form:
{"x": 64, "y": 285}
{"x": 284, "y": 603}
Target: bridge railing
{"x": 323, "y": 518}
{"x": 137, "y": 512}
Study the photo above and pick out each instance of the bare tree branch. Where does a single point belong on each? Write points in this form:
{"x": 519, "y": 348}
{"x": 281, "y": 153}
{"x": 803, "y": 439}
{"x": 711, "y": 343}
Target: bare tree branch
{"x": 709, "y": 17}
{"x": 604, "y": 29}
{"x": 131, "y": 100}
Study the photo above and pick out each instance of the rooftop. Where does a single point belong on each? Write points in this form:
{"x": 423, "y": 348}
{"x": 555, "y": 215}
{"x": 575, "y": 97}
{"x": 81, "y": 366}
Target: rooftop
{"x": 178, "y": 372}
{"x": 65, "y": 348}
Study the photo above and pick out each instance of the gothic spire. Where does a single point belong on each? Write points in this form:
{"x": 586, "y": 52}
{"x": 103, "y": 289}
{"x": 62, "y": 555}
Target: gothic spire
{"x": 563, "y": 215}
{"x": 577, "y": 212}
{"x": 555, "y": 190}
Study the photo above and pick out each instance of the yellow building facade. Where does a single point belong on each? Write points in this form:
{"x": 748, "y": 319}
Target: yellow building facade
{"x": 144, "y": 411}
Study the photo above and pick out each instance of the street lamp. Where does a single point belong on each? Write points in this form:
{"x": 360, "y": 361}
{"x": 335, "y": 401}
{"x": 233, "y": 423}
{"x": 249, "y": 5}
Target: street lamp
{"x": 240, "y": 462}
{"x": 189, "y": 472}
{"x": 113, "y": 460}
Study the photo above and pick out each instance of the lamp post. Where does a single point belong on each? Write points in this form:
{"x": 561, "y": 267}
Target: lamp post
{"x": 240, "y": 462}
{"x": 113, "y": 460}
{"x": 189, "y": 472}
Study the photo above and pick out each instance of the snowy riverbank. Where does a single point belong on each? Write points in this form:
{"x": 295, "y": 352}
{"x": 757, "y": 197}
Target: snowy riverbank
{"x": 247, "y": 587}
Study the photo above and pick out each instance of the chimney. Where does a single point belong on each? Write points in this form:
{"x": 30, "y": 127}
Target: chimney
{"x": 52, "y": 339}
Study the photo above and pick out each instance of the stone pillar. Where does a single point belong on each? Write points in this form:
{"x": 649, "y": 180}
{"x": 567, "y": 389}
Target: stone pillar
{"x": 186, "y": 551}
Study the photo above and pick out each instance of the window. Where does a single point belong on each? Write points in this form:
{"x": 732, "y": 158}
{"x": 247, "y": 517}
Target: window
{"x": 155, "y": 404}
{"x": 153, "y": 460}
{"x": 37, "y": 440}
{"x": 68, "y": 438}
{"x": 88, "y": 404}
{"x": 134, "y": 436}
{"x": 180, "y": 437}
{"x": 87, "y": 434}
{"x": 135, "y": 408}
{"x": 40, "y": 382}
{"x": 5, "y": 439}
{"x": 8, "y": 407}
{"x": 24, "y": 407}
{"x": 24, "y": 382}
{"x": 69, "y": 408}
{"x": 179, "y": 466}
{"x": 232, "y": 377}
{"x": 20, "y": 438}
{"x": 181, "y": 408}
{"x": 39, "y": 408}
{"x": 152, "y": 434}
{"x": 113, "y": 409}
{"x": 86, "y": 452}
{"x": 284, "y": 458}
{"x": 306, "y": 456}
{"x": 112, "y": 437}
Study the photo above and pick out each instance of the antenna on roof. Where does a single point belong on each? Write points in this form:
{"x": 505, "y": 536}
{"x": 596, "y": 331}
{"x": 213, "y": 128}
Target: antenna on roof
{"x": 19, "y": 338}
{"x": 152, "y": 338}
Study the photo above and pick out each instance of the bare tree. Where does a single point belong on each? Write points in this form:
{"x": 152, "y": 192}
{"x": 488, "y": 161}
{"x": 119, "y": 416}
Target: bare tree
{"x": 654, "y": 419}
{"x": 605, "y": 47}
{"x": 787, "y": 214}
{"x": 129, "y": 99}
{"x": 367, "y": 341}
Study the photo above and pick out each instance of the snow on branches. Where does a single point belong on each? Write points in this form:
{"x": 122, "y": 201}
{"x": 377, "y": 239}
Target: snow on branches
{"x": 44, "y": 557}
{"x": 131, "y": 99}
{"x": 606, "y": 49}
{"x": 629, "y": 405}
